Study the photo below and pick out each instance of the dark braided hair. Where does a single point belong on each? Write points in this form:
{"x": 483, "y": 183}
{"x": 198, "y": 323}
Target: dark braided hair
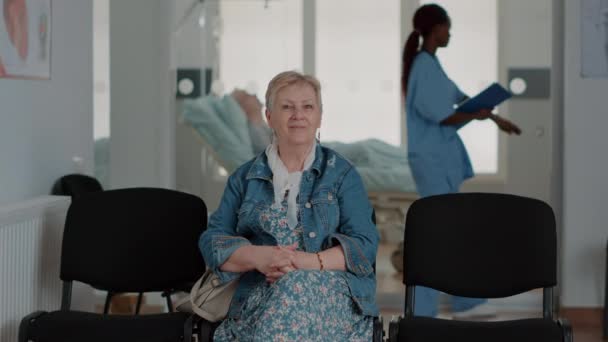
{"x": 425, "y": 19}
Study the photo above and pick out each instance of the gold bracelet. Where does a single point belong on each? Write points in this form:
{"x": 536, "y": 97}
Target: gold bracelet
{"x": 320, "y": 262}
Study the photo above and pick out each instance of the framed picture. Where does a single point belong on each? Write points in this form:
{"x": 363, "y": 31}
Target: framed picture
{"x": 25, "y": 39}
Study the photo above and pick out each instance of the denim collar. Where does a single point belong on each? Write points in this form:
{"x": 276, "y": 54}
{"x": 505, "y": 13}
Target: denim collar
{"x": 260, "y": 169}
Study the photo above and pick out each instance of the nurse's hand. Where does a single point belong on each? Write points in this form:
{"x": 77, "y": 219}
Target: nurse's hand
{"x": 506, "y": 125}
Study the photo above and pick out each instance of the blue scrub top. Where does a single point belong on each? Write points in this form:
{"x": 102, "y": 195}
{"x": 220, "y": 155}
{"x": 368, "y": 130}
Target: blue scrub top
{"x": 437, "y": 156}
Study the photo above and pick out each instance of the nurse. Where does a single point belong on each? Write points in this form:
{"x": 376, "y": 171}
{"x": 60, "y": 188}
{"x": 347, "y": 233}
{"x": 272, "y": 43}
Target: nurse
{"x": 437, "y": 156}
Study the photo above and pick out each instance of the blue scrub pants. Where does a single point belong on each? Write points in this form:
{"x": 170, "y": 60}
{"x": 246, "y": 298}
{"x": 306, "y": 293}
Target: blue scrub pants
{"x": 426, "y": 300}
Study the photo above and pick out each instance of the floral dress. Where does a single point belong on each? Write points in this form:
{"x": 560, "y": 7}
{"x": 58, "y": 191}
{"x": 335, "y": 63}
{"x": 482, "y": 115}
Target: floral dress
{"x": 303, "y": 305}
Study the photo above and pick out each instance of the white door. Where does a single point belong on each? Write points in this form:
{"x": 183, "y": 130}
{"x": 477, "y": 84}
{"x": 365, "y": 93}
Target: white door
{"x": 526, "y": 42}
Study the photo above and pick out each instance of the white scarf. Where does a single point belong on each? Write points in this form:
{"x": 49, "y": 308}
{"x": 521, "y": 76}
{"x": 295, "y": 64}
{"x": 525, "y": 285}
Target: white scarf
{"x": 283, "y": 181}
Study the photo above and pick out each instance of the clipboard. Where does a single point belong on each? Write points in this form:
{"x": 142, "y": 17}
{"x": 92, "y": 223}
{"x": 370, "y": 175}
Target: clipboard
{"x": 489, "y": 98}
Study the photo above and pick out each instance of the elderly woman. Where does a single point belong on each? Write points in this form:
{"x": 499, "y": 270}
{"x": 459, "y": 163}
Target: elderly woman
{"x": 295, "y": 225}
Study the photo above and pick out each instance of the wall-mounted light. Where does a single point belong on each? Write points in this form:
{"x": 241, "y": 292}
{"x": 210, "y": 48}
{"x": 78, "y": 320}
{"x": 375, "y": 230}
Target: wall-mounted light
{"x": 188, "y": 83}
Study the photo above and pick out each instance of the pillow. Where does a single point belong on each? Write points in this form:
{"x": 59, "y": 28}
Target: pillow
{"x": 233, "y": 116}
{"x": 220, "y": 130}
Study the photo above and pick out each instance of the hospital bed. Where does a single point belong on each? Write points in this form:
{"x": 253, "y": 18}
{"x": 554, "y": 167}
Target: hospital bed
{"x": 214, "y": 138}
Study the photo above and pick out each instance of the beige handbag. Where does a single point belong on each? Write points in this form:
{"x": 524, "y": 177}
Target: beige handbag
{"x": 209, "y": 298}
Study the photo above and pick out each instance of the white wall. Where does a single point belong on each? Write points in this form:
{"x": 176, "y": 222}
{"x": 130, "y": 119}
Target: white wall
{"x": 142, "y": 124}
{"x": 193, "y": 45}
{"x": 101, "y": 69}
{"x": 585, "y": 165}
{"x": 45, "y": 123}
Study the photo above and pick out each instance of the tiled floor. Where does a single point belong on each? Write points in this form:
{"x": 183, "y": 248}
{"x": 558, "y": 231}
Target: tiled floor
{"x": 588, "y": 334}
{"x": 391, "y": 294}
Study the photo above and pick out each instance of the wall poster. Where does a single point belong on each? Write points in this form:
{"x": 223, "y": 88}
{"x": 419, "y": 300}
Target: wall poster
{"x": 25, "y": 39}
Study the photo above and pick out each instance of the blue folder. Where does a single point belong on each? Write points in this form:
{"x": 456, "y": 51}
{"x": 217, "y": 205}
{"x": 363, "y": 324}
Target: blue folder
{"x": 489, "y": 98}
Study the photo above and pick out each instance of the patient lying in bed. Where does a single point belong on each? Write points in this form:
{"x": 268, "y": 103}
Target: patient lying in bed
{"x": 234, "y": 128}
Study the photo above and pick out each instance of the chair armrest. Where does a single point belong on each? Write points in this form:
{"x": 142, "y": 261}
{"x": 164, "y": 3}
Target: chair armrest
{"x": 566, "y": 327}
{"x": 378, "y": 334}
{"x": 393, "y": 328}
{"x": 26, "y": 323}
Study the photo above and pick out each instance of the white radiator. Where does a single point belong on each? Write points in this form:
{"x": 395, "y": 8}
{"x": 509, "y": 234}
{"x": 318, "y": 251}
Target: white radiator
{"x": 30, "y": 249}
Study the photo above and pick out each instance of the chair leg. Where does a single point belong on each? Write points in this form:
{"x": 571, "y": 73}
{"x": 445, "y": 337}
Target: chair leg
{"x": 378, "y": 334}
{"x": 167, "y": 296}
{"x": 566, "y": 329}
{"x": 138, "y": 305}
{"x": 106, "y": 307}
{"x": 393, "y": 329}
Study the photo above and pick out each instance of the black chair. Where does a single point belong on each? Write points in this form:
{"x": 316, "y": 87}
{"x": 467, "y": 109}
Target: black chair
{"x": 75, "y": 185}
{"x": 483, "y": 246}
{"x": 128, "y": 240}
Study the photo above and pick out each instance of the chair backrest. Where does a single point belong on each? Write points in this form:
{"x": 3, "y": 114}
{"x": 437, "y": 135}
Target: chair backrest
{"x": 480, "y": 245}
{"x": 76, "y": 185}
{"x": 134, "y": 240}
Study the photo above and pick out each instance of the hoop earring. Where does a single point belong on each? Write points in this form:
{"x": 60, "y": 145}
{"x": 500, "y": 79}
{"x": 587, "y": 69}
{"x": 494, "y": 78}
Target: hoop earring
{"x": 319, "y": 135}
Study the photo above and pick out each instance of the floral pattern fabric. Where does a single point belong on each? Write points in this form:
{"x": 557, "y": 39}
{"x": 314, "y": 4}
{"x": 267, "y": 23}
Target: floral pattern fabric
{"x": 303, "y": 305}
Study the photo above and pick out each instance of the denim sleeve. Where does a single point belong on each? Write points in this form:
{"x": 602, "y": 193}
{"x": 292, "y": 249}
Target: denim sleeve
{"x": 356, "y": 232}
{"x": 459, "y": 95}
{"x": 220, "y": 239}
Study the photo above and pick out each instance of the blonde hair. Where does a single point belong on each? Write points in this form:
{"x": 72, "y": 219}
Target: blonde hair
{"x": 288, "y": 78}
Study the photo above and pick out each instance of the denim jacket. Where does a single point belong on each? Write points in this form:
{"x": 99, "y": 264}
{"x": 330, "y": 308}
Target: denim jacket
{"x": 333, "y": 209}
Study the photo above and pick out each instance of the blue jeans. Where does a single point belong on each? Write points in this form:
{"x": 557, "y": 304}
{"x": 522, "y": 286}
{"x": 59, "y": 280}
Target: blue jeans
{"x": 426, "y": 302}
